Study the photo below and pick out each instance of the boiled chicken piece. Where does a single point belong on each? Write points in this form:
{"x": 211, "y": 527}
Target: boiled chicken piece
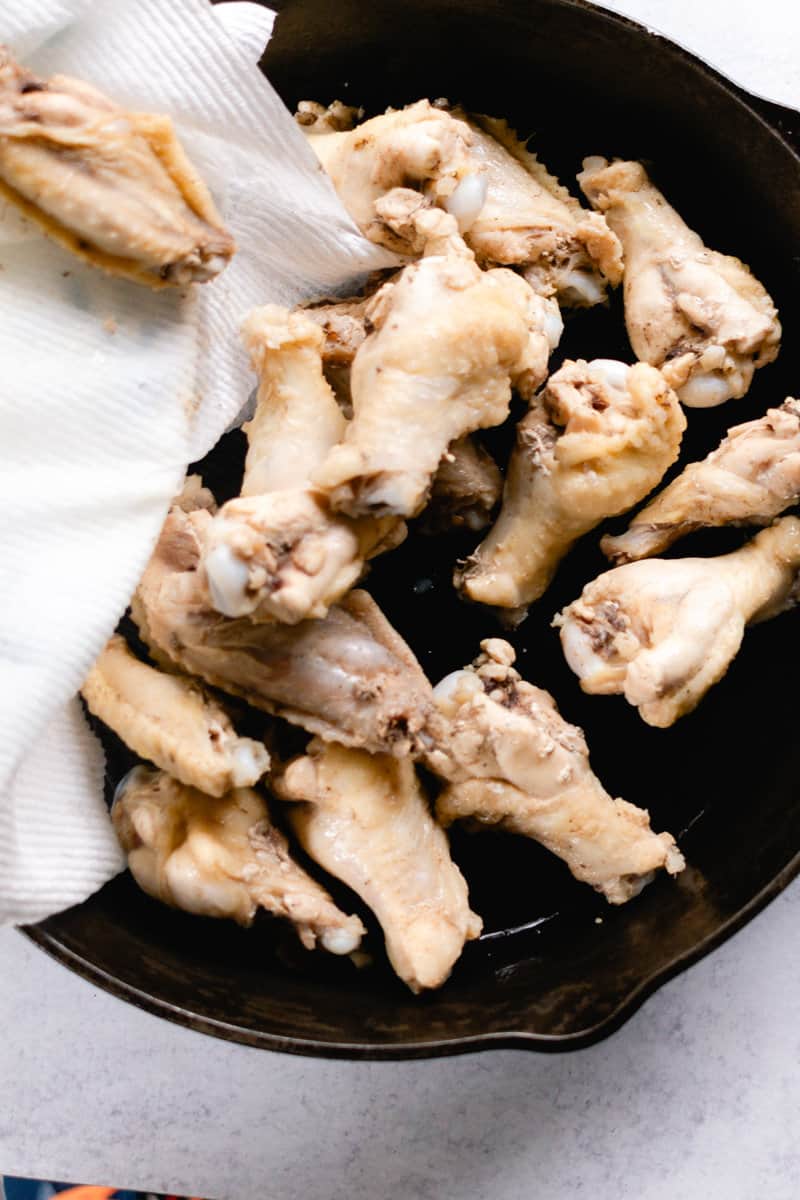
{"x": 276, "y": 552}
{"x": 513, "y": 762}
{"x": 348, "y": 677}
{"x": 466, "y": 489}
{"x": 420, "y": 147}
{"x": 752, "y": 477}
{"x": 467, "y": 485}
{"x": 222, "y": 857}
{"x": 114, "y": 187}
{"x": 344, "y": 327}
{"x": 365, "y": 819}
{"x": 448, "y": 342}
{"x": 701, "y": 316}
{"x": 596, "y": 440}
{"x": 530, "y": 221}
{"x": 172, "y": 721}
{"x": 194, "y": 495}
{"x": 663, "y": 631}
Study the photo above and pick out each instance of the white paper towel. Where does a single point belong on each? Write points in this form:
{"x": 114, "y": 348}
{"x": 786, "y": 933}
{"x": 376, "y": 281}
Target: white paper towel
{"x": 107, "y": 391}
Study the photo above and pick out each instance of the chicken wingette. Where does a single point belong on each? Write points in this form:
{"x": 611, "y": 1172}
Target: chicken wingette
{"x": 114, "y": 187}
{"x": 222, "y": 857}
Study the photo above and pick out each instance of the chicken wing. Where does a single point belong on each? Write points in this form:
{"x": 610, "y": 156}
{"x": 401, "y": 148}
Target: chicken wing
{"x": 114, "y": 187}
{"x": 172, "y": 721}
{"x": 596, "y": 440}
{"x": 276, "y": 552}
{"x": 222, "y": 857}
{"x": 530, "y": 221}
{"x": 420, "y": 146}
{"x": 752, "y": 477}
{"x": 466, "y": 489}
{"x": 663, "y": 631}
{"x": 366, "y": 820}
{"x": 701, "y": 316}
{"x": 448, "y": 342}
{"x": 467, "y": 485}
{"x": 348, "y": 677}
{"x": 513, "y": 762}
{"x": 344, "y": 327}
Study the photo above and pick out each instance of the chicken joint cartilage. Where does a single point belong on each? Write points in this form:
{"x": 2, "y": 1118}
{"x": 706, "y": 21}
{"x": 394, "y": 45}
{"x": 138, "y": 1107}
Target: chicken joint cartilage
{"x": 596, "y": 440}
{"x": 661, "y": 632}
{"x": 510, "y": 760}
{"x": 114, "y": 187}
{"x": 701, "y": 316}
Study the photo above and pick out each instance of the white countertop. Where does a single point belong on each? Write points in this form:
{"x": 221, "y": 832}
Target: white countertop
{"x": 697, "y": 1096}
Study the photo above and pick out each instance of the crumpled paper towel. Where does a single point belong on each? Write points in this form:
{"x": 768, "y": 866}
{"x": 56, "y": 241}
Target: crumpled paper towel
{"x": 108, "y": 390}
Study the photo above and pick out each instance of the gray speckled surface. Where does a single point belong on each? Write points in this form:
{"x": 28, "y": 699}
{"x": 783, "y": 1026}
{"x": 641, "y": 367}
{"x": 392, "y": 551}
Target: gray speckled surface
{"x": 698, "y": 1096}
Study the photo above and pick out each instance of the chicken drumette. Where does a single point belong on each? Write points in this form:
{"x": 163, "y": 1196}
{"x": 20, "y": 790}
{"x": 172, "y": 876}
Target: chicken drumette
{"x": 276, "y": 552}
{"x": 752, "y": 477}
{"x": 222, "y": 857}
{"x": 530, "y": 221}
{"x": 663, "y": 631}
{"x": 114, "y": 187}
{"x": 366, "y": 820}
{"x": 596, "y": 440}
{"x": 448, "y": 342}
{"x": 513, "y": 762}
{"x": 467, "y": 485}
{"x": 173, "y": 721}
{"x": 349, "y": 677}
{"x": 420, "y": 147}
{"x": 701, "y": 316}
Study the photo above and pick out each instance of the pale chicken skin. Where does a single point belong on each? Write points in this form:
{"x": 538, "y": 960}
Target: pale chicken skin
{"x": 222, "y": 857}
{"x": 661, "y": 632}
{"x": 751, "y": 477}
{"x": 349, "y": 677}
{"x": 114, "y": 187}
{"x": 512, "y": 762}
{"x": 366, "y": 820}
{"x": 448, "y": 342}
{"x": 701, "y": 316}
{"x": 596, "y": 440}
{"x": 420, "y": 147}
{"x": 531, "y": 222}
{"x": 172, "y": 721}
{"x": 467, "y": 485}
{"x": 276, "y": 552}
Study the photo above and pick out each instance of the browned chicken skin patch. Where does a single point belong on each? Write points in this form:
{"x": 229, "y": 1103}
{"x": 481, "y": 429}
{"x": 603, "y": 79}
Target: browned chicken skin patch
{"x": 114, "y": 187}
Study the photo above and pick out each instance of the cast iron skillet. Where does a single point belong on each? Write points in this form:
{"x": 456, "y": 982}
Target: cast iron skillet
{"x": 556, "y": 968}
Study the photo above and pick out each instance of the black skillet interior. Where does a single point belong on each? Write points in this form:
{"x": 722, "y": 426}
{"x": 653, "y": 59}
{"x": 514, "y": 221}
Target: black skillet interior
{"x": 556, "y": 966}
